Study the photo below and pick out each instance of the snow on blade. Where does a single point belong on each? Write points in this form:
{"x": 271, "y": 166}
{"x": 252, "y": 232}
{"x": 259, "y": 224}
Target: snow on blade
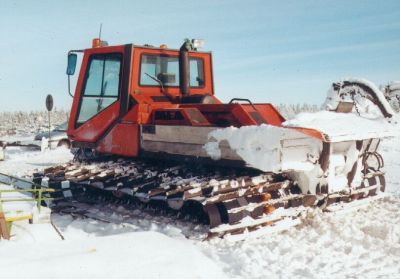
{"x": 261, "y": 146}
{"x": 342, "y": 126}
{"x": 272, "y": 148}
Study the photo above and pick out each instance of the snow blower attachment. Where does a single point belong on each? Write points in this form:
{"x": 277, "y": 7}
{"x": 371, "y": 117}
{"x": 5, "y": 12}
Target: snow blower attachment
{"x": 392, "y": 94}
{"x": 238, "y": 167}
{"x": 365, "y": 98}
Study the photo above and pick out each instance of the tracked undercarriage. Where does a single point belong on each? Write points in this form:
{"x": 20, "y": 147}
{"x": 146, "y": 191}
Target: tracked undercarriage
{"x": 230, "y": 201}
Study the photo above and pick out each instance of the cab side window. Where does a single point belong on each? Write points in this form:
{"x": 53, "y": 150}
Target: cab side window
{"x": 196, "y": 72}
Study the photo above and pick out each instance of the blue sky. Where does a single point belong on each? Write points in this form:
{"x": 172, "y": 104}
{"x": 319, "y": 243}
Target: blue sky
{"x": 268, "y": 51}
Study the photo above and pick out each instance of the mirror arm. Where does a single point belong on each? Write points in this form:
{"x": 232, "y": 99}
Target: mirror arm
{"x": 69, "y": 78}
{"x": 69, "y": 87}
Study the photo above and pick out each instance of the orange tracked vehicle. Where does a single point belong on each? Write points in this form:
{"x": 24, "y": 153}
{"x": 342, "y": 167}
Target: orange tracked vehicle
{"x": 156, "y": 108}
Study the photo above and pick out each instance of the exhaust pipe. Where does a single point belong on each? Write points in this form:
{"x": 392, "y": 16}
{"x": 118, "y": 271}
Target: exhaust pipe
{"x": 184, "y": 68}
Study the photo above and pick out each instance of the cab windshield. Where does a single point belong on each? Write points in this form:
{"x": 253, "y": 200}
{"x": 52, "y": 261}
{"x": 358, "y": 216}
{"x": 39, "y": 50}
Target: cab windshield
{"x": 102, "y": 83}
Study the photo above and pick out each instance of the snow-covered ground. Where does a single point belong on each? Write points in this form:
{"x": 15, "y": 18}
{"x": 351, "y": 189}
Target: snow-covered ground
{"x": 22, "y": 161}
{"x": 362, "y": 244}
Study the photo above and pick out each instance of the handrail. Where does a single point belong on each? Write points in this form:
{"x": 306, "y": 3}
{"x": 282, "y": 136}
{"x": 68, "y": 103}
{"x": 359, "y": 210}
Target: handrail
{"x": 243, "y": 100}
{"x": 18, "y": 179}
{"x": 27, "y": 190}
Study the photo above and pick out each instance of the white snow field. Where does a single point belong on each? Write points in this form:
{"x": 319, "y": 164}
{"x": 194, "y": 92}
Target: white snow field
{"x": 359, "y": 244}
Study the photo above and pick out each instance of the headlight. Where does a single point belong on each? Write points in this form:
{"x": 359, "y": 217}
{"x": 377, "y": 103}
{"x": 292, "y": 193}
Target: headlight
{"x": 198, "y": 43}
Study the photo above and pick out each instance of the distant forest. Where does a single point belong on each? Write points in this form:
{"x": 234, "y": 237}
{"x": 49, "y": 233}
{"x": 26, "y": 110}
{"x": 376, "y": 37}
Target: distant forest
{"x": 21, "y": 122}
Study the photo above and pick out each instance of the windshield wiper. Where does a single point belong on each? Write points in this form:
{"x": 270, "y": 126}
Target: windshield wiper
{"x": 157, "y": 80}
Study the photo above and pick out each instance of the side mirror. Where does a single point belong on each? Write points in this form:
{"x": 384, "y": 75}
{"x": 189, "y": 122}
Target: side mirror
{"x": 72, "y": 58}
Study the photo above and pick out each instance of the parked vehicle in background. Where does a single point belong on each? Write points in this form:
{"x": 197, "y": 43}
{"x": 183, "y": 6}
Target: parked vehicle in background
{"x": 58, "y": 136}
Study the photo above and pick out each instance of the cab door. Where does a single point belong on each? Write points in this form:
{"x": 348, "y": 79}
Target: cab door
{"x": 97, "y": 101}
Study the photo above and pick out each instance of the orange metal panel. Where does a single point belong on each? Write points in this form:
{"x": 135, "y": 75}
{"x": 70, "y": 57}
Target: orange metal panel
{"x": 267, "y": 111}
{"x": 95, "y": 127}
{"x": 187, "y": 117}
{"x": 310, "y": 132}
{"x": 122, "y": 140}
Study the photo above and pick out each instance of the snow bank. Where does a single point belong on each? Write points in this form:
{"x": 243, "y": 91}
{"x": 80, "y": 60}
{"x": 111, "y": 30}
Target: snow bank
{"x": 362, "y": 244}
{"x": 128, "y": 255}
{"x": 21, "y": 162}
{"x": 390, "y": 150}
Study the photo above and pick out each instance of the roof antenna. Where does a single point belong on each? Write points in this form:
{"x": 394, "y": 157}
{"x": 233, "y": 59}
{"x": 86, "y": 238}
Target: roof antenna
{"x": 101, "y": 24}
